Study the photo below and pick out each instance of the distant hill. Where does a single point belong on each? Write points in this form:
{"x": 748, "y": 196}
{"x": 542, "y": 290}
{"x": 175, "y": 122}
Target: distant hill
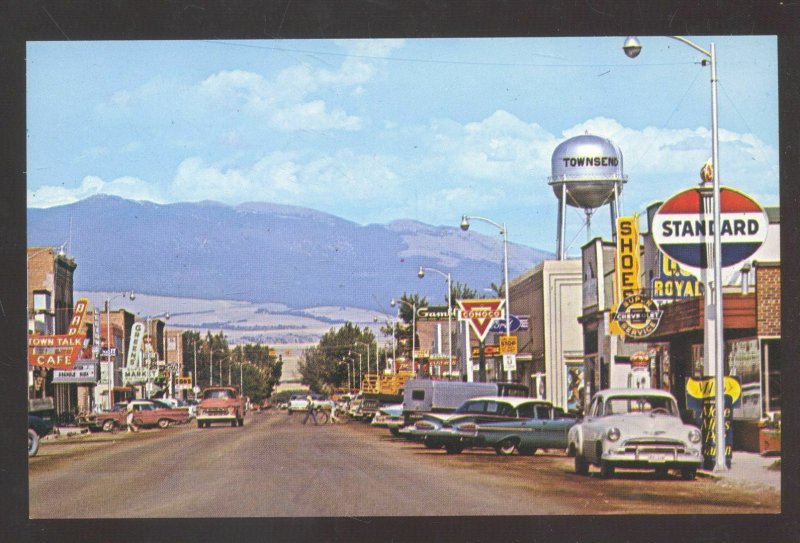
{"x": 262, "y": 252}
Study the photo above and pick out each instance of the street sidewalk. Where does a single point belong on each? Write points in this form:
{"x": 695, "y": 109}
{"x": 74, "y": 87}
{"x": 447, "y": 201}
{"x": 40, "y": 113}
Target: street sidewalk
{"x": 750, "y": 469}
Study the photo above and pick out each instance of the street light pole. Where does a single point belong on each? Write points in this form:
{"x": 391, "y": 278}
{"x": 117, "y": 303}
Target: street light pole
{"x": 503, "y": 230}
{"x": 713, "y": 325}
{"x": 413, "y": 307}
{"x": 109, "y": 364}
{"x": 421, "y": 274}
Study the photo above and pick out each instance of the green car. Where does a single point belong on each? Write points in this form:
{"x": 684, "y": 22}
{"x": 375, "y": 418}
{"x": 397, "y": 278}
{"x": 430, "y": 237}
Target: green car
{"x": 506, "y": 424}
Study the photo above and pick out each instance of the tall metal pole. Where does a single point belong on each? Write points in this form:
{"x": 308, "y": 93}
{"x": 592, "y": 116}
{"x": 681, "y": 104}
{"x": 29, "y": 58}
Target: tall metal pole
{"x": 110, "y": 363}
{"x": 507, "y": 289}
{"x": 719, "y": 329}
{"x": 194, "y": 375}
{"x": 414, "y": 339}
{"x": 713, "y": 325}
{"x": 211, "y": 365}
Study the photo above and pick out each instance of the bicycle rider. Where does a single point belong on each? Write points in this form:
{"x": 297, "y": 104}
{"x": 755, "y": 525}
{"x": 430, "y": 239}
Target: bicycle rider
{"x": 311, "y": 410}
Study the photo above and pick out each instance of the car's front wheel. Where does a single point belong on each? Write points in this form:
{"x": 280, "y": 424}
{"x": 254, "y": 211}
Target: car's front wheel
{"x": 606, "y": 469}
{"x": 163, "y": 423}
{"x": 454, "y": 448}
{"x": 688, "y": 474}
{"x": 108, "y": 425}
{"x": 506, "y": 447}
{"x": 581, "y": 465}
{"x": 33, "y": 442}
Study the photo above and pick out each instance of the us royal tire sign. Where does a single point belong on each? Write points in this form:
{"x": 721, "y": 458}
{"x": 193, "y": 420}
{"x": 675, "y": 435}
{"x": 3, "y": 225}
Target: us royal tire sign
{"x": 683, "y": 227}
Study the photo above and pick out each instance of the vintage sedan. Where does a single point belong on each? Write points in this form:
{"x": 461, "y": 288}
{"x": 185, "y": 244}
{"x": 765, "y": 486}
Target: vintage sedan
{"x": 635, "y": 428}
{"x": 146, "y": 413}
{"x": 391, "y": 417}
{"x": 456, "y": 431}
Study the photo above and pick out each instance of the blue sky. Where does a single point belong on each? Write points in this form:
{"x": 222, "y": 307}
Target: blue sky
{"x": 378, "y": 130}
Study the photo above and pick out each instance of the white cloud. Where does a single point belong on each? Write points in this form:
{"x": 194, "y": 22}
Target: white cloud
{"x": 313, "y": 116}
{"x": 130, "y": 188}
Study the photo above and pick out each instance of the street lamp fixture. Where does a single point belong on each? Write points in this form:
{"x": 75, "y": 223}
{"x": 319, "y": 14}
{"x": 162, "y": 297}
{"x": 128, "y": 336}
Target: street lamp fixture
{"x": 421, "y": 274}
{"x": 713, "y": 325}
{"x": 504, "y": 232}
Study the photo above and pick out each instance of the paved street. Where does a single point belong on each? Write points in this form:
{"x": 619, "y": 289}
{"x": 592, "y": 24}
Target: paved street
{"x": 276, "y": 467}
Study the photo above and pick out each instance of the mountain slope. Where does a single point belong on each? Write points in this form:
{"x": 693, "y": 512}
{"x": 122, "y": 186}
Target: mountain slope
{"x": 263, "y": 252}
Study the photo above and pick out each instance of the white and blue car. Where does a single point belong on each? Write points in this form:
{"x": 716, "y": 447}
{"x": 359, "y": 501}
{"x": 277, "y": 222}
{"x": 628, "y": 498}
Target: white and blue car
{"x": 635, "y": 428}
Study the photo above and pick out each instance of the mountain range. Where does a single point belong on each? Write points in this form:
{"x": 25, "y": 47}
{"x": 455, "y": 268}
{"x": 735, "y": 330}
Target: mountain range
{"x": 266, "y": 253}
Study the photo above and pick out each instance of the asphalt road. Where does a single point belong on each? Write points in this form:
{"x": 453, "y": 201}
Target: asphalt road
{"x": 276, "y": 467}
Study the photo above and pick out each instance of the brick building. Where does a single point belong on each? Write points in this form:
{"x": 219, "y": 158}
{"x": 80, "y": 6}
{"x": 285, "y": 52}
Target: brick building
{"x": 50, "y": 304}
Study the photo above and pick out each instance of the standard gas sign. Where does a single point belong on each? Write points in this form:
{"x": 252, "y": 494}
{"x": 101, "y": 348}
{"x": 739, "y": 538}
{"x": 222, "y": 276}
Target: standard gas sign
{"x": 684, "y": 230}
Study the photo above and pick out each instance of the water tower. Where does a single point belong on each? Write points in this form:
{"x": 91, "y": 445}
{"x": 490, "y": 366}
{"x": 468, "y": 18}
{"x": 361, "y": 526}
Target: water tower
{"x": 587, "y": 174}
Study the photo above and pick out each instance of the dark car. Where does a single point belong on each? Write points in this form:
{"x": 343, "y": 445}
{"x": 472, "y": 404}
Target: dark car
{"x": 38, "y": 427}
{"x": 457, "y": 430}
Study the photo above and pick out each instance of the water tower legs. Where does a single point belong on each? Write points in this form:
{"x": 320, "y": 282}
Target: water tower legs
{"x": 562, "y": 223}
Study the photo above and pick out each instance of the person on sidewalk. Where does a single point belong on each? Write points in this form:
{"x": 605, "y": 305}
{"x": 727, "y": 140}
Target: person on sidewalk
{"x": 129, "y": 419}
{"x": 334, "y": 418}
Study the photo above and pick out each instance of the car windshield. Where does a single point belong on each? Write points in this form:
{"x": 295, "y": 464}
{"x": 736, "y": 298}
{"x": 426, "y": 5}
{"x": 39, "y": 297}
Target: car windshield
{"x": 211, "y": 394}
{"x": 640, "y": 404}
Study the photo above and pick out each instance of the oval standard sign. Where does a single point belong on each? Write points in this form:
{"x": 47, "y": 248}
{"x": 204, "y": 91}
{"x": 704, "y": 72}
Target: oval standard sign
{"x": 685, "y": 233}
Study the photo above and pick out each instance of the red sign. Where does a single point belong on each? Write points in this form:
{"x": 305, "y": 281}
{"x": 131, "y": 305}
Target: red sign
{"x": 55, "y": 352}
{"x": 480, "y": 314}
{"x": 77, "y": 317}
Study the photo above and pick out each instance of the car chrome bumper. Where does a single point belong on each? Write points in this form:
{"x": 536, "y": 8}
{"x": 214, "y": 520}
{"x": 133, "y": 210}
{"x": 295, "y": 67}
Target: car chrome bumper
{"x": 658, "y": 458}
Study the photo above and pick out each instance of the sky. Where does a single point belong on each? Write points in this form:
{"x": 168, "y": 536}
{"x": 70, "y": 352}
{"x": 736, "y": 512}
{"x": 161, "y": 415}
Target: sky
{"x": 379, "y": 130}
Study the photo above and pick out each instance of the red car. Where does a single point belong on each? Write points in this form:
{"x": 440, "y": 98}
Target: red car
{"x": 146, "y": 413}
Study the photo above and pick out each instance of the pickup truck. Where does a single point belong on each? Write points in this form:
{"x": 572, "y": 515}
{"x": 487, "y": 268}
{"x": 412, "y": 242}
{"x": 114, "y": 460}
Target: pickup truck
{"x": 220, "y": 404}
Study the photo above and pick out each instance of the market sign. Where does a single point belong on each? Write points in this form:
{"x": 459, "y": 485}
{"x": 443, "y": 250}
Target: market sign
{"x": 683, "y": 228}
{"x": 135, "y": 345}
{"x": 83, "y": 372}
{"x": 55, "y": 352}
{"x": 480, "y": 314}
{"x": 133, "y": 375}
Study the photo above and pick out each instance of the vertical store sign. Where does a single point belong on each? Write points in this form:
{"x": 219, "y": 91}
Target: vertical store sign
{"x": 135, "y": 345}
{"x": 626, "y": 276}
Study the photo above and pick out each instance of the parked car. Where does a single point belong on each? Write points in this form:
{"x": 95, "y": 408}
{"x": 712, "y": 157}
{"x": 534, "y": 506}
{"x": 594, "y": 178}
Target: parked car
{"x": 38, "y": 427}
{"x": 539, "y": 426}
{"x": 437, "y": 396}
{"x": 391, "y": 417}
{"x": 146, "y": 413}
{"x": 635, "y": 428}
{"x": 456, "y": 431}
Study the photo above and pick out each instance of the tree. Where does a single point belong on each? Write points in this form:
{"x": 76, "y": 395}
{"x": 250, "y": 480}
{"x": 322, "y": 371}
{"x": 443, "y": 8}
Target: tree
{"x": 463, "y": 292}
{"x": 324, "y": 365}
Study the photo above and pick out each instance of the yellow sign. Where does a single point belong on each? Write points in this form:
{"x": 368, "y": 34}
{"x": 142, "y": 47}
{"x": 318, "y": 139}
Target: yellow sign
{"x": 706, "y": 388}
{"x": 508, "y": 344}
{"x": 626, "y": 276}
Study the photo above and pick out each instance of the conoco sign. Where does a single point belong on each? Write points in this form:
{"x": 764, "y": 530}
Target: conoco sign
{"x": 480, "y": 314}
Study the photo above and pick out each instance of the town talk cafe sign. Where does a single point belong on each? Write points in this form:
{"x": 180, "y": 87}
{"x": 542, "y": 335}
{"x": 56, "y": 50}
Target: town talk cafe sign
{"x": 63, "y": 350}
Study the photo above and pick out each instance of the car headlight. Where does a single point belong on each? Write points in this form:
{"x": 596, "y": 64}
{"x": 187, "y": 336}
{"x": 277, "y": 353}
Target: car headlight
{"x": 613, "y": 434}
{"x": 467, "y": 427}
{"x": 424, "y": 425}
{"x": 695, "y": 436}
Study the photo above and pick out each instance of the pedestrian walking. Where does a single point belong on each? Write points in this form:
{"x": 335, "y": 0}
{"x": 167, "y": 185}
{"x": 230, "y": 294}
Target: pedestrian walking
{"x": 310, "y": 410}
{"x": 334, "y": 418}
{"x": 129, "y": 419}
